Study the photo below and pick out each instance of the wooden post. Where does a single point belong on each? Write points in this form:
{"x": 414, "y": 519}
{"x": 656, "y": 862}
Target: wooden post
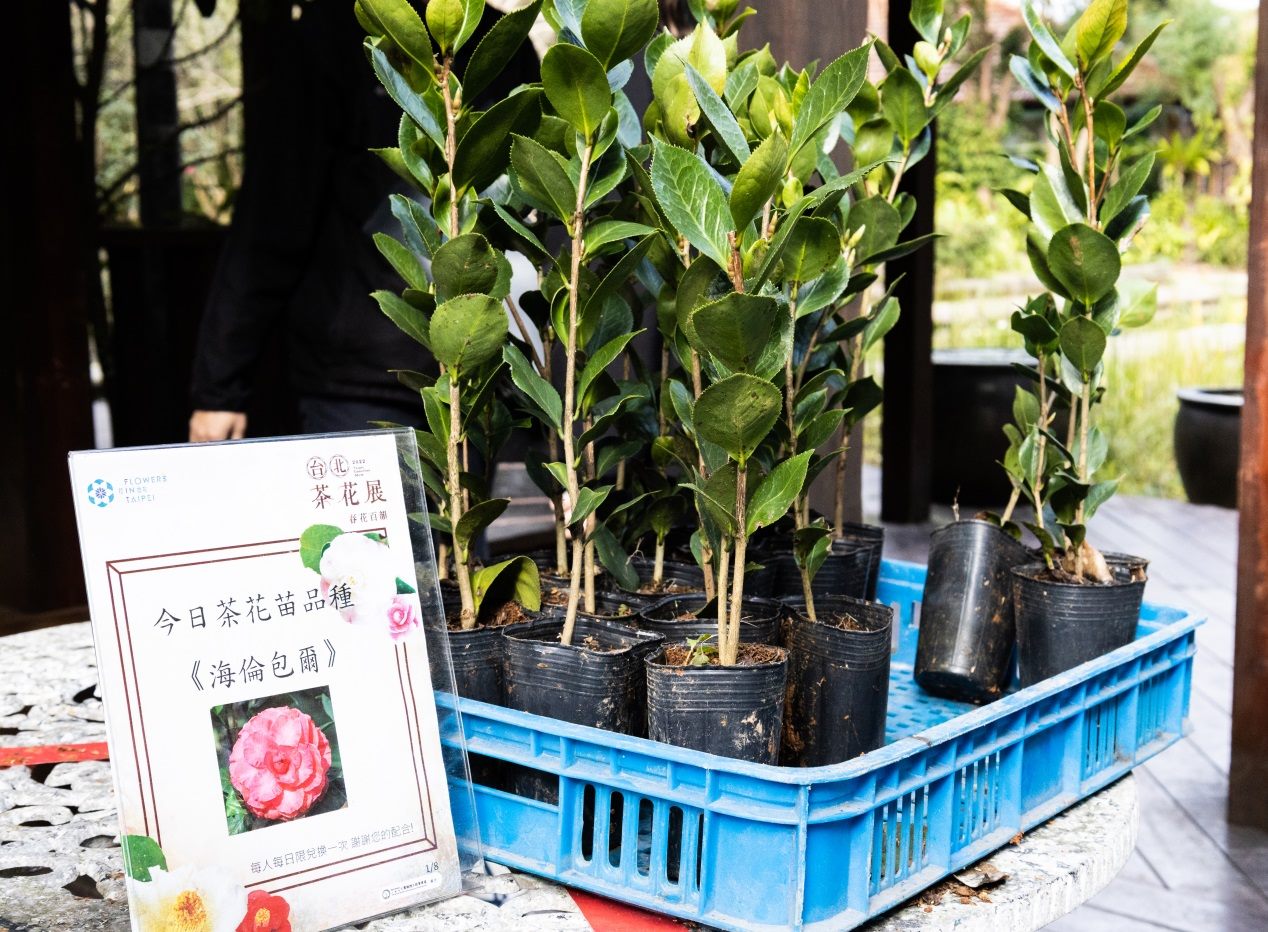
{"x": 907, "y": 413}
{"x": 1248, "y": 773}
{"x": 47, "y": 264}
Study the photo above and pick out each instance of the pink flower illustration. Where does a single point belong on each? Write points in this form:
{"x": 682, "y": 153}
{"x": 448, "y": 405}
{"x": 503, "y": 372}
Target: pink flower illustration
{"x": 402, "y": 617}
{"x": 279, "y": 763}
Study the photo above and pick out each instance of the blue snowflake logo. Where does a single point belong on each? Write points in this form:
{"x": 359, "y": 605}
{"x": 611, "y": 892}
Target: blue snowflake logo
{"x": 100, "y": 493}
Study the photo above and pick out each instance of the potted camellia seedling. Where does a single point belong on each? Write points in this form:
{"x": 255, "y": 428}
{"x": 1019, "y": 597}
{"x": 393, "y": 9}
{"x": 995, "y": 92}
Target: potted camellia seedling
{"x": 733, "y": 333}
{"x": 456, "y": 284}
{"x": 572, "y": 665}
{"x": 1085, "y": 210}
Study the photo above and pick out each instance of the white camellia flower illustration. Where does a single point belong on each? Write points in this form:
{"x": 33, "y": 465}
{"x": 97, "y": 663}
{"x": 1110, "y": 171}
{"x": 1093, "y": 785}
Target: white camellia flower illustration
{"x": 188, "y": 900}
{"x": 357, "y": 578}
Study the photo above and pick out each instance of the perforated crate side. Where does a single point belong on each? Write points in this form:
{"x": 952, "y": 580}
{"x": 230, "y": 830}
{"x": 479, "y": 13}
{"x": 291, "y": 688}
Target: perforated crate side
{"x": 755, "y": 848}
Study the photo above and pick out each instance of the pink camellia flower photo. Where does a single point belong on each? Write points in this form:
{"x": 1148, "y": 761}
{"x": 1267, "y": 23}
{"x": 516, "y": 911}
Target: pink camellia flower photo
{"x": 402, "y": 617}
{"x": 279, "y": 763}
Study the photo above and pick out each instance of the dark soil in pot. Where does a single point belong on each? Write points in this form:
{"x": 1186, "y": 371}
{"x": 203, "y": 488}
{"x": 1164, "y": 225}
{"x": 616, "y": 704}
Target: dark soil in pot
{"x": 1062, "y": 623}
{"x": 682, "y": 617}
{"x": 838, "y": 682}
{"x": 609, "y": 603}
{"x": 966, "y": 614}
{"x": 732, "y": 711}
{"x": 677, "y": 578}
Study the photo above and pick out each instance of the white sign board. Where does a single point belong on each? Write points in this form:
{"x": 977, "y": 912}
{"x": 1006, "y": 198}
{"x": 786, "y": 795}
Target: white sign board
{"x": 266, "y": 680}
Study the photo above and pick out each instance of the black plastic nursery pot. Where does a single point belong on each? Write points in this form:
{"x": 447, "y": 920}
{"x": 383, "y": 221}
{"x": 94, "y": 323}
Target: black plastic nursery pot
{"x": 732, "y": 711}
{"x": 845, "y": 571}
{"x": 1207, "y": 442}
{"x": 680, "y": 617}
{"x": 966, "y": 614}
{"x": 838, "y": 682}
{"x": 597, "y": 680}
{"x": 476, "y": 654}
{"x": 676, "y": 577}
{"x": 871, "y": 537}
{"x": 1063, "y": 624}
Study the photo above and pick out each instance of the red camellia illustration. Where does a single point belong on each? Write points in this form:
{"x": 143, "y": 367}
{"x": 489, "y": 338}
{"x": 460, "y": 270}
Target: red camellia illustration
{"x": 265, "y": 913}
{"x": 279, "y": 763}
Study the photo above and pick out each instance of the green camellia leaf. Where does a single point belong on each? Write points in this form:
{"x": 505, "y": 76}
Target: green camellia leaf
{"x": 737, "y": 413}
{"x": 614, "y": 558}
{"x": 926, "y": 16}
{"x": 140, "y": 853}
{"x": 466, "y": 264}
{"x": 588, "y": 500}
{"x": 703, "y": 50}
{"x": 613, "y": 30}
{"x": 540, "y": 392}
{"x": 1139, "y": 302}
{"x": 1034, "y": 81}
{"x": 484, "y": 150}
{"x": 1085, "y": 261}
{"x": 903, "y": 103}
{"x": 831, "y": 93}
{"x": 600, "y": 359}
{"x": 313, "y": 543}
{"x": 476, "y": 518}
{"x": 598, "y": 235}
{"x": 516, "y": 579}
{"x": 692, "y": 199}
{"x": 1039, "y": 262}
{"x": 759, "y": 178}
{"x": 1098, "y": 30}
{"x": 403, "y": 261}
{"x": 543, "y": 178}
{"x": 1128, "y": 64}
{"x": 879, "y": 221}
{"x": 880, "y": 322}
{"x": 1083, "y": 343}
{"x": 776, "y": 493}
{"x": 1128, "y": 185}
{"x": 409, "y": 100}
{"x": 444, "y": 22}
{"x": 1109, "y": 122}
{"x": 468, "y": 330}
{"x": 721, "y": 120}
{"x": 1035, "y": 330}
{"x": 1045, "y": 40}
{"x": 813, "y": 245}
{"x": 498, "y": 47}
{"x": 576, "y": 85}
{"x": 409, "y": 318}
{"x": 1051, "y": 206}
{"x": 399, "y": 22}
{"x": 735, "y": 329}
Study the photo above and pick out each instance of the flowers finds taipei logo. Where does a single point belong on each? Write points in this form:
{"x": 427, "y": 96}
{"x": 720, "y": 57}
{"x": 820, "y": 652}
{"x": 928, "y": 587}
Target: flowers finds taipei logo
{"x": 100, "y": 493}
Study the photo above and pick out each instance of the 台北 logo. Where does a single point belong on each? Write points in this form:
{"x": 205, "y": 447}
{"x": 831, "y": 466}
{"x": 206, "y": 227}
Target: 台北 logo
{"x": 100, "y": 493}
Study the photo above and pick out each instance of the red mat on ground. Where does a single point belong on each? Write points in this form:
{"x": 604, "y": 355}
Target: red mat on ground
{"x": 606, "y": 915}
{"x": 53, "y": 754}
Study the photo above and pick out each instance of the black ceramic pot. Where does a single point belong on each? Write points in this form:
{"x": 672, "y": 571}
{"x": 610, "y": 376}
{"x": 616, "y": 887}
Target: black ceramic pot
{"x": 1208, "y": 434}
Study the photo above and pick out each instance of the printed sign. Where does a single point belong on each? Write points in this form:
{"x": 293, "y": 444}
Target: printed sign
{"x": 266, "y": 681}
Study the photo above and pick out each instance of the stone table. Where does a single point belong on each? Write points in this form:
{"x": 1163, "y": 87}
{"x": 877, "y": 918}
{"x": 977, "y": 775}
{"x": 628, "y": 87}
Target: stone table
{"x": 61, "y": 870}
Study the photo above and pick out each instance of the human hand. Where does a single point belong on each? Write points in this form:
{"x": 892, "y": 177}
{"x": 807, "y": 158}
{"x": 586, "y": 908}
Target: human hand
{"x": 205, "y": 426}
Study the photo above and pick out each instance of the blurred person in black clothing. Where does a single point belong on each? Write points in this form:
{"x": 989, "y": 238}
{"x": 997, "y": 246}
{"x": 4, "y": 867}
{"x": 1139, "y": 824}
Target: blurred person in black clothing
{"x": 300, "y": 261}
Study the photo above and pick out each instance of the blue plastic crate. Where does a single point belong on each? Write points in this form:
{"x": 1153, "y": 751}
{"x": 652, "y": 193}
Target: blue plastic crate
{"x": 757, "y": 847}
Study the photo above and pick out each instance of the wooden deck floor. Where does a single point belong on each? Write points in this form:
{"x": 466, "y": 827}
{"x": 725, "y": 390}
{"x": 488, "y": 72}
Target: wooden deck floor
{"x": 1192, "y": 870}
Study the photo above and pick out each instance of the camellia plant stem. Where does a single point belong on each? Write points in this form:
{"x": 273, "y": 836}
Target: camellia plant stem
{"x": 570, "y": 394}
{"x": 741, "y": 547}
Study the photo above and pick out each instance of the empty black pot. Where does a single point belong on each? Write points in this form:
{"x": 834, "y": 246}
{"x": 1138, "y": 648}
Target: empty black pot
{"x": 838, "y": 682}
{"x": 966, "y": 614}
{"x": 732, "y": 711}
{"x": 759, "y": 619}
{"x": 1063, "y": 624}
{"x": 1207, "y": 442}
{"x": 597, "y": 680}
